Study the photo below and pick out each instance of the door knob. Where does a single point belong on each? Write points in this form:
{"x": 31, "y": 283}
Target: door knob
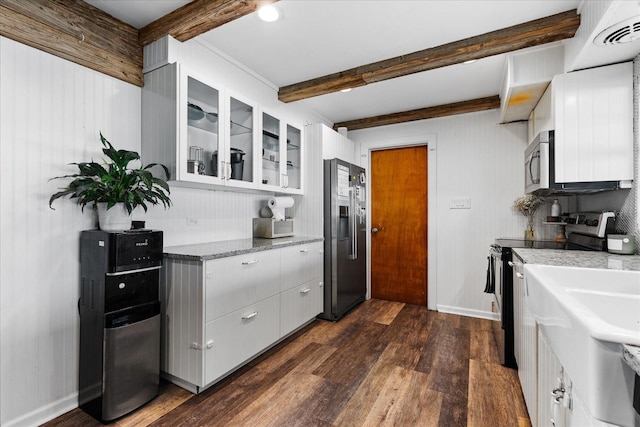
{"x": 374, "y": 230}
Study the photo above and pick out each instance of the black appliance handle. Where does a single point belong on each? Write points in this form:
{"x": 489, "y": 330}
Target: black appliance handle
{"x": 138, "y": 270}
{"x": 535, "y": 155}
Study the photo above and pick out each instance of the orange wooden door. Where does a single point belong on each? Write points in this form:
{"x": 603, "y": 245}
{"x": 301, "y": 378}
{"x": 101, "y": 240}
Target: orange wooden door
{"x": 399, "y": 225}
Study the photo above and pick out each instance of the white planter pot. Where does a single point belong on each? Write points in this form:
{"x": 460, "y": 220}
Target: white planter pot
{"x": 115, "y": 219}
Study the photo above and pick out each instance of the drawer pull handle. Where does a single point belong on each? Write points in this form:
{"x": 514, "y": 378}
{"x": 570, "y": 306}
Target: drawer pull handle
{"x": 250, "y": 316}
{"x": 253, "y": 261}
{"x": 196, "y": 346}
{"x": 305, "y": 291}
{"x": 304, "y": 250}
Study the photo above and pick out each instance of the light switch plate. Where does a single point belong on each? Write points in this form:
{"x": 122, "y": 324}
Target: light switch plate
{"x": 460, "y": 203}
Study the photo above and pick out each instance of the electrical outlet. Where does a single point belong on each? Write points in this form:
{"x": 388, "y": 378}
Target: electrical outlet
{"x": 192, "y": 222}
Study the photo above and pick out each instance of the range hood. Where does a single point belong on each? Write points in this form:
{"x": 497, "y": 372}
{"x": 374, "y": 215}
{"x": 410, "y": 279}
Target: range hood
{"x": 609, "y": 32}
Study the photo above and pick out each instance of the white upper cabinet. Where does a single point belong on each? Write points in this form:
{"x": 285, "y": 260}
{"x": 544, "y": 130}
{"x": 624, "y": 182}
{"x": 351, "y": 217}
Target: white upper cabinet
{"x": 593, "y": 119}
{"x": 281, "y": 155}
{"x": 591, "y": 112}
{"x": 209, "y": 136}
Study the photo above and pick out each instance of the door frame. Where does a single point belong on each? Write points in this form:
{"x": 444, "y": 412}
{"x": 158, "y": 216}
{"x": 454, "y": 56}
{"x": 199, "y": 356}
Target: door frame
{"x": 403, "y": 142}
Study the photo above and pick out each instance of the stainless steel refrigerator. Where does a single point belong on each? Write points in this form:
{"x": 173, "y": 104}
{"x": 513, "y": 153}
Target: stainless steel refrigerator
{"x": 345, "y": 244}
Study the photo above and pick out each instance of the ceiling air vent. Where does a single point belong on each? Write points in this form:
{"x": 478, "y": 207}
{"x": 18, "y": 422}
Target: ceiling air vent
{"x": 623, "y": 32}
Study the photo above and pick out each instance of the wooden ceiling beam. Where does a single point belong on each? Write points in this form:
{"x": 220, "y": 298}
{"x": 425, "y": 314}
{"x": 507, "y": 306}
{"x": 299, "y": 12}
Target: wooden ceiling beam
{"x": 198, "y": 17}
{"x": 533, "y": 33}
{"x": 480, "y": 104}
{"x": 76, "y": 31}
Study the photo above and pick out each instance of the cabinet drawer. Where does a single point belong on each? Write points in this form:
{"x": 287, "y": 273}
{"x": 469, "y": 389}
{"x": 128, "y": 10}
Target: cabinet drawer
{"x": 238, "y": 336}
{"x": 301, "y": 264}
{"x": 235, "y": 282}
{"x": 300, "y": 304}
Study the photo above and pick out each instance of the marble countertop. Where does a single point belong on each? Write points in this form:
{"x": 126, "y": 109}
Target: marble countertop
{"x": 588, "y": 259}
{"x": 227, "y": 248}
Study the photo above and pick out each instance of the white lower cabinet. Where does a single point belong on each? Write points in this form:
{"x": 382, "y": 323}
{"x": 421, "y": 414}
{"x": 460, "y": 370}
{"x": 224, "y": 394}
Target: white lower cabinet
{"x": 300, "y": 264}
{"x": 218, "y": 314}
{"x": 551, "y": 411}
{"x": 236, "y": 337}
{"x": 525, "y": 341}
{"x": 300, "y": 304}
{"x": 234, "y": 282}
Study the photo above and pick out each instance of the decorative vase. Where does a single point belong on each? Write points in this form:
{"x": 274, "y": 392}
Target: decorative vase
{"x": 528, "y": 233}
{"x": 115, "y": 219}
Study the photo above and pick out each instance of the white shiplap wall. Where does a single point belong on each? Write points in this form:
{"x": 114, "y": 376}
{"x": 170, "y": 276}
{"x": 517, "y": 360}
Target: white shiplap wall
{"x": 479, "y": 159}
{"x": 51, "y": 111}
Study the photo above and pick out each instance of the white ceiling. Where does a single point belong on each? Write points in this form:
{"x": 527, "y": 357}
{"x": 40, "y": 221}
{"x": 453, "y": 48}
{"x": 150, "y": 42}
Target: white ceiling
{"x": 318, "y": 37}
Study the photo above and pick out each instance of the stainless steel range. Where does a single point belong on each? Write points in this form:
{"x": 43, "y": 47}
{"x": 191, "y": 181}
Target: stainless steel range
{"x": 585, "y": 231}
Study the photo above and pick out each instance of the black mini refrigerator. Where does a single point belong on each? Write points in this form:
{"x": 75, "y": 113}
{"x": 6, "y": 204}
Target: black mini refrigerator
{"x": 119, "y": 321}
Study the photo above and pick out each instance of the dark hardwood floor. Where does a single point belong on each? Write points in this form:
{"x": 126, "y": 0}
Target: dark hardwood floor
{"x": 385, "y": 363}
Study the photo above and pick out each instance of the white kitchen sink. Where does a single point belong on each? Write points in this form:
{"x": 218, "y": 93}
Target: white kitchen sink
{"x": 585, "y": 314}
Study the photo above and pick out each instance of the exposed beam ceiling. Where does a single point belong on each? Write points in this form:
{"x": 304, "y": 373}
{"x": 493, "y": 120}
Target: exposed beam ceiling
{"x": 198, "y": 17}
{"x": 471, "y": 106}
{"x": 540, "y": 31}
{"x": 76, "y": 31}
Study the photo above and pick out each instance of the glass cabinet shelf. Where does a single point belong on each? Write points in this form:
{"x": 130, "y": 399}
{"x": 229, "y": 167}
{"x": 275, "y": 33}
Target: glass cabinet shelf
{"x": 237, "y": 129}
{"x": 271, "y": 164}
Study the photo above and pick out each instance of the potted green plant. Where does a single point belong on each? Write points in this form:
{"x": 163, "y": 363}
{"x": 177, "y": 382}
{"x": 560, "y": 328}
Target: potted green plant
{"x": 115, "y": 188}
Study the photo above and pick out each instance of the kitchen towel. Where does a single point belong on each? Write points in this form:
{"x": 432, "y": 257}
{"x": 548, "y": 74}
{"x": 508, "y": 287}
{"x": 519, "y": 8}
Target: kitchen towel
{"x": 490, "y": 286}
{"x": 278, "y": 205}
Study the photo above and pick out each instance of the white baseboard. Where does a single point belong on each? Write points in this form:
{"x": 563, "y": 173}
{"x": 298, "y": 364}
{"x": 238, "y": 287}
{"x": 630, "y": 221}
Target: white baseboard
{"x": 468, "y": 312}
{"x": 45, "y": 413}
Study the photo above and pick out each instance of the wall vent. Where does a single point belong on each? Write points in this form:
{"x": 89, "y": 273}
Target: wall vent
{"x": 623, "y": 32}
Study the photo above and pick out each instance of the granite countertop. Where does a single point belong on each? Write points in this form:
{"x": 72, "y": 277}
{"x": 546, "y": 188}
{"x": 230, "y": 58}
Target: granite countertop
{"x": 227, "y": 248}
{"x": 631, "y": 355}
{"x": 588, "y": 259}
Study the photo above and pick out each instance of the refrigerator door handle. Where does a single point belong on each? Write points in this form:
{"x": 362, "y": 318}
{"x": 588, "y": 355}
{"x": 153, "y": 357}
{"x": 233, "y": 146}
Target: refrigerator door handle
{"x": 354, "y": 225}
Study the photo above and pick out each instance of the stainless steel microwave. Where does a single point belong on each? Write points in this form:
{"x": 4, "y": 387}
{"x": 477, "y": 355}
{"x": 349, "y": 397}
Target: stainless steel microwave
{"x": 540, "y": 171}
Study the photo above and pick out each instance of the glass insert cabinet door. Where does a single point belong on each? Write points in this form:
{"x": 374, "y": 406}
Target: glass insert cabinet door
{"x": 271, "y": 151}
{"x": 203, "y": 128}
{"x": 241, "y": 147}
{"x": 294, "y": 158}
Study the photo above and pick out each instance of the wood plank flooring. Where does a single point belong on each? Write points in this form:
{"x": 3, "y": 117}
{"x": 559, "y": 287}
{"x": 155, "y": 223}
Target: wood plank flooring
{"x": 384, "y": 364}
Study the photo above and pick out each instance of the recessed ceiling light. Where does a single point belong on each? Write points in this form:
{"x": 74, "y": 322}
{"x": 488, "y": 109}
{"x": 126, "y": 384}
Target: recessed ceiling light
{"x": 268, "y": 13}
{"x": 346, "y": 90}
